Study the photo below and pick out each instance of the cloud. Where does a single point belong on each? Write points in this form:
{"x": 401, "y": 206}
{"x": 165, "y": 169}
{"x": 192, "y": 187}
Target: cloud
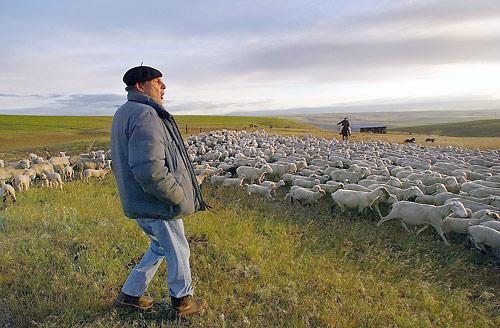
{"x": 234, "y": 55}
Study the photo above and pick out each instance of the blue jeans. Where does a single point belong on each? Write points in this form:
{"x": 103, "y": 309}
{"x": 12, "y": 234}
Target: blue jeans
{"x": 167, "y": 240}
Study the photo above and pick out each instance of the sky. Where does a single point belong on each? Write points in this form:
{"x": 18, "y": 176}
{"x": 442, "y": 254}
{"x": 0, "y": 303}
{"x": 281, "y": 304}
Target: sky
{"x": 229, "y": 56}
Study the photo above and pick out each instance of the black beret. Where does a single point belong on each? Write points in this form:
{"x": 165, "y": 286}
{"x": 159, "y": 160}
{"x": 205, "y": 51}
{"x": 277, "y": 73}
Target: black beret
{"x": 140, "y": 74}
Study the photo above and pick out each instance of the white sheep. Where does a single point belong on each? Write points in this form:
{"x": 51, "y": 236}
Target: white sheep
{"x": 354, "y": 186}
{"x": 473, "y": 206}
{"x": 484, "y": 236}
{"x": 30, "y": 173}
{"x": 422, "y": 214}
{"x": 492, "y": 224}
{"x": 201, "y": 177}
{"x": 257, "y": 189}
{"x": 460, "y": 225}
{"x": 6, "y": 191}
{"x": 273, "y": 185}
{"x": 305, "y": 183}
{"x": 216, "y": 180}
{"x": 485, "y": 192}
{"x": 433, "y": 189}
{"x": 52, "y": 180}
{"x": 252, "y": 173}
{"x": 282, "y": 168}
{"x": 99, "y": 174}
{"x": 308, "y": 197}
{"x": 331, "y": 187}
{"x": 232, "y": 182}
{"x": 480, "y": 213}
{"x": 22, "y": 182}
{"x": 68, "y": 173}
{"x": 361, "y": 200}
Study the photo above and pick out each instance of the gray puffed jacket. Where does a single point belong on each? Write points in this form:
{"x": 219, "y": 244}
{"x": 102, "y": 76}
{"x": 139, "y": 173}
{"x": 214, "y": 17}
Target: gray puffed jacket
{"x": 153, "y": 173}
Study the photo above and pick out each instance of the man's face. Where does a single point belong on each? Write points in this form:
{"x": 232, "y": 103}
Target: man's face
{"x": 154, "y": 88}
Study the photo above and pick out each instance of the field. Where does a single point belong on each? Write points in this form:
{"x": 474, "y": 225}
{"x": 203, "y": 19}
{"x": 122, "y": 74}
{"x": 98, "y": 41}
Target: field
{"x": 259, "y": 263}
{"x": 482, "y": 128}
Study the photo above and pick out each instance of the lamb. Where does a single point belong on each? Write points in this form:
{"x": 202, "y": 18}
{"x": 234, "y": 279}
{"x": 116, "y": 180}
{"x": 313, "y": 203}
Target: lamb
{"x": 449, "y": 182}
{"x": 39, "y": 168}
{"x": 23, "y": 164}
{"x": 273, "y": 186}
{"x": 492, "y": 224}
{"x": 280, "y": 169}
{"x": 357, "y": 187}
{"x": 68, "y": 173}
{"x": 6, "y": 191}
{"x": 99, "y": 174}
{"x": 478, "y": 214}
{"x": 474, "y": 206}
{"x": 426, "y": 199}
{"x": 484, "y": 236}
{"x": 308, "y": 197}
{"x": 361, "y": 200}
{"x": 201, "y": 177}
{"x": 305, "y": 183}
{"x": 30, "y": 173}
{"x": 52, "y": 180}
{"x": 232, "y": 182}
{"x": 59, "y": 162}
{"x": 433, "y": 189}
{"x": 422, "y": 214}
{"x": 331, "y": 187}
{"x": 219, "y": 179}
{"x": 401, "y": 194}
{"x": 22, "y": 182}
{"x": 257, "y": 189}
{"x": 485, "y": 192}
{"x": 251, "y": 173}
{"x": 84, "y": 163}
{"x": 460, "y": 225}
{"x": 354, "y": 177}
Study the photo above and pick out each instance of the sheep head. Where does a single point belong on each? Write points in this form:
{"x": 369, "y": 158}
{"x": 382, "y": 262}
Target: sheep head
{"x": 457, "y": 208}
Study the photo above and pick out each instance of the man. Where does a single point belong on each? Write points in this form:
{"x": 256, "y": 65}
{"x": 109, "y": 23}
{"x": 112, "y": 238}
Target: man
{"x": 345, "y": 131}
{"x": 157, "y": 187}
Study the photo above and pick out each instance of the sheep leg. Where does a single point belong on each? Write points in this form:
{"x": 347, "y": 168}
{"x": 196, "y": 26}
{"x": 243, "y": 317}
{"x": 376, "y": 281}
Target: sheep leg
{"x": 478, "y": 246}
{"x": 422, "y": 229}
{"x": 404, "y": 226}
{"x": 378, "y": 211}
{"x": 384, "y": 219}
{"x": 439, "y": 230}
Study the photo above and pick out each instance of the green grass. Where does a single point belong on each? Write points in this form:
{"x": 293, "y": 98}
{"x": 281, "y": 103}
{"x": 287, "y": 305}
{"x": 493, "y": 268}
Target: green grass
{"x": 482, "y": 128}
{"x": 259, "y": 263}
{"x": 24, "y": 134}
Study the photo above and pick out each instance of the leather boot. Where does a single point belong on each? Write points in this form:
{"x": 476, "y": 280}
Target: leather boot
{"x": 133, "y": 302}
{"x": 186, "y": 306}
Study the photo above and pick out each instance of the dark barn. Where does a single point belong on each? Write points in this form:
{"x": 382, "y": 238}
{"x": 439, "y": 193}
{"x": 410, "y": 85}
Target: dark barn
{"x": 370, "y": 128}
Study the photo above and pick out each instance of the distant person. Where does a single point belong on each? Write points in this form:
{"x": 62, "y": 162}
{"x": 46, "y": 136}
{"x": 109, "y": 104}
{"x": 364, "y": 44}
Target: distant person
{"x": 157, "y": 187}
{"x": 345, "y": 129}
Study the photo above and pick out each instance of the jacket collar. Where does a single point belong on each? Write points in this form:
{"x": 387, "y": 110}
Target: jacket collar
{"x": 142, "y": 98}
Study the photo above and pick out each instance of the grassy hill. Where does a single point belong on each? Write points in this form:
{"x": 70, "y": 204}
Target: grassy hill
{"x": 259, "y": 263}
{"x": 23, "y": 134}
{"x": 481, "y": 128}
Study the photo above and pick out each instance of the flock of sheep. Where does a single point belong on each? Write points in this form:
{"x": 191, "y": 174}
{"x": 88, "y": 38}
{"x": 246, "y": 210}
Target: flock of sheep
{"x": 50, "y": 172}
{"x": 452, "y": 189}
